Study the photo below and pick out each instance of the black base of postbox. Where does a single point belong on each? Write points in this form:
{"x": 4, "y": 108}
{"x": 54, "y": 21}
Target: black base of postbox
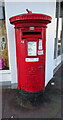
{"x": 28, "y": 99}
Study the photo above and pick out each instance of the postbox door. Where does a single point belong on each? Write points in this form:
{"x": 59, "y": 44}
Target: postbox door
{"x": 32, "y": 64}
{"x": 35, "y": 57}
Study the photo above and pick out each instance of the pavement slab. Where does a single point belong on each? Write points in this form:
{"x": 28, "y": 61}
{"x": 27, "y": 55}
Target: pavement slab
{"x": 47, "y": 105}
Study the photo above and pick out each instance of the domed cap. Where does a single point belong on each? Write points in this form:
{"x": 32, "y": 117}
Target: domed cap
{"x": 30, "y": 16}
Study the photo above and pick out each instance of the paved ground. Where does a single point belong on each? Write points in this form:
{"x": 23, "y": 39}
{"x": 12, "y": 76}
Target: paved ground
{"x": 62, "y": 92}
{"x": 46, "y": 106}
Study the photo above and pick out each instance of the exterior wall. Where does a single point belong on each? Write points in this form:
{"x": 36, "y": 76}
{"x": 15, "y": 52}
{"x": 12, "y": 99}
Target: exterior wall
{"x": 15, "y": 8}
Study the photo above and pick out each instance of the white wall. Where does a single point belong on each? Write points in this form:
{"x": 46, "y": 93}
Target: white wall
{"x": 15, "y": 8}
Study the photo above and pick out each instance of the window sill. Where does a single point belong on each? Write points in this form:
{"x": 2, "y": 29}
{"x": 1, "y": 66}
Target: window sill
{"x": 5, "y": 71}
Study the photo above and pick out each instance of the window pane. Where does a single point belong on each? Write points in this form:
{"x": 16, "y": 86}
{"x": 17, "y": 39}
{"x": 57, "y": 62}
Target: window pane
{"x": 59, "y": 35}
{"x": 55, "y": 42}
{"x": 4, "y": 62}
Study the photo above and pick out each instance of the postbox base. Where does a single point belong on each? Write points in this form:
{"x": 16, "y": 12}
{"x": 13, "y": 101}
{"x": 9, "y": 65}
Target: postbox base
{"x": 28, "y": 99}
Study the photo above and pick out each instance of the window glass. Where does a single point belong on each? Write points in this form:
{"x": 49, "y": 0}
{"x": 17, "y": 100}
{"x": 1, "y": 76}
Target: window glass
{"x": 4, "y": 61}
{"x": 58, "y": 44}
{"x": 59, "y": 35}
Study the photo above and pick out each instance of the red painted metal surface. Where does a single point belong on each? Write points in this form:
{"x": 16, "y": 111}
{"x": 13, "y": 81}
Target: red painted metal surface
{"x": 30, "y": 29}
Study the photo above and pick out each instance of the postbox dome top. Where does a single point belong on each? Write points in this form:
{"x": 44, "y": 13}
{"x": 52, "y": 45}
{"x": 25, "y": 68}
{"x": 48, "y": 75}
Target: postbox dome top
{"x": 30, "y": 16}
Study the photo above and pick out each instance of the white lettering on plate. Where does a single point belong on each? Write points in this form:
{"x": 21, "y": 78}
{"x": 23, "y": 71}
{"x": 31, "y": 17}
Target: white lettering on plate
{"x": 31, "y": 59}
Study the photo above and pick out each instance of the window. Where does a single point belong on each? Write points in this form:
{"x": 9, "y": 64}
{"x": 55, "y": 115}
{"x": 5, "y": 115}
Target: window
{"x": 59, "y": 35}
{"x": 59, "y": 31}
{"x": 4, "y": 61}
{"x": 61, "y": 10}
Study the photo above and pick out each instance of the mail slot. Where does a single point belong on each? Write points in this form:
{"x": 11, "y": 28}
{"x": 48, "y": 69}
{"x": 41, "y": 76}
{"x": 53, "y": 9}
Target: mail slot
{"x": 30, "y": 34}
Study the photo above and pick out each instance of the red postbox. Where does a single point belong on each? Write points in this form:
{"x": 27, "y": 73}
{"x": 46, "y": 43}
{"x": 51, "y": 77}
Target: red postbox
{"x": 30, "y": 32}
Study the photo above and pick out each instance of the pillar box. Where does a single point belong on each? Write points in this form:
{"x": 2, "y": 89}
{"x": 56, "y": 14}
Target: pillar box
{"x": 30, "y": 34}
